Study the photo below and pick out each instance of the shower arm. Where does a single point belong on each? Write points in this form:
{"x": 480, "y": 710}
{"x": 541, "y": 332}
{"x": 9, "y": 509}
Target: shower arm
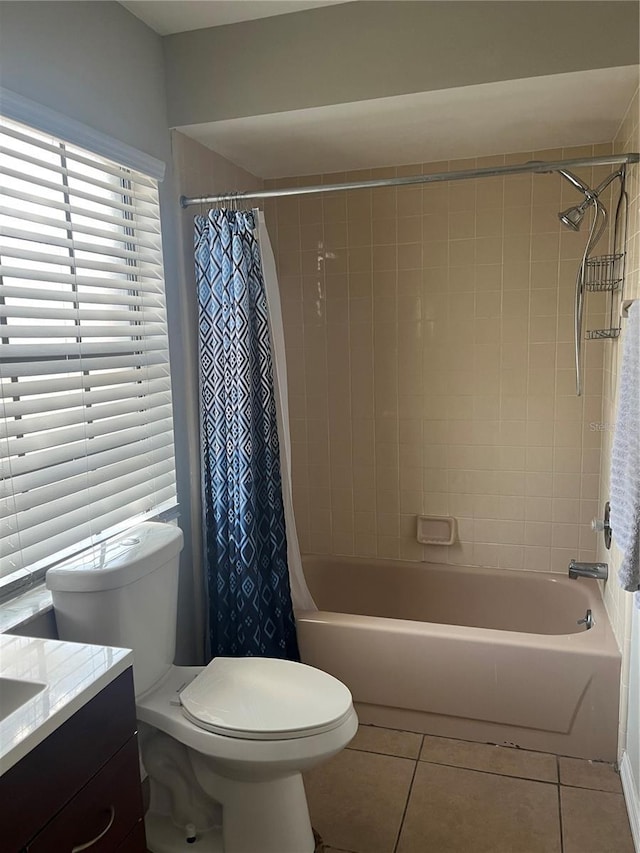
{"x": 589, "y": 194}
{"x": 575, "y": 181}
{"x": 602, "y": 187}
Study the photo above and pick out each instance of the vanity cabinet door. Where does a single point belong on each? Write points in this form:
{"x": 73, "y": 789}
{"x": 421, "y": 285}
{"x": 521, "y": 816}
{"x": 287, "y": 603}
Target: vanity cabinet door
{"x": 36, "y": 791}
{"x": 100, "y": 817}
{"x": 135, "y": 842}
{"x": 61, "y": 793}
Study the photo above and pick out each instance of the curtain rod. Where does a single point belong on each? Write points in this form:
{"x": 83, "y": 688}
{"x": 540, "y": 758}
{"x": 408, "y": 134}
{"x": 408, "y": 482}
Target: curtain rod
{"x": 537, "y": 166}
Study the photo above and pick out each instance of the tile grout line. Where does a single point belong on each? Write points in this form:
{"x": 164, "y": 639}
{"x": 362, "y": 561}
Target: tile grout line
{"x": 560, "y": 806}
{"x": 467, "y": 741}
{"x": 562, "y": 841}
{"x": 482, "y": 770}
{"x": 595, "y": 790}
{"x": 490, "y": 772}
{"x": 406, "y": 805}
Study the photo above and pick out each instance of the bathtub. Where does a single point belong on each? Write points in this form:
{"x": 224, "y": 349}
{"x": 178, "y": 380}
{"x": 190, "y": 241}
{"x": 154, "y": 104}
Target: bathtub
{"x": 477, "y": 654}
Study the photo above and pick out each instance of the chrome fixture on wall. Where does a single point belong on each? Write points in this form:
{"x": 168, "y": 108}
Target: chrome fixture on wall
{"x": 586, "y": 620}
{"x": 572, "y": 216}
{"x": 603, "y": 273}
{"x": 603, "y": 526}
{"x": 598, "y": 571}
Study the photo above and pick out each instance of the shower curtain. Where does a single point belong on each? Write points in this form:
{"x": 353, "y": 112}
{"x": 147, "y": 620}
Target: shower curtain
{"x": 302, "y": 599}
{"x": 245, "y": 540}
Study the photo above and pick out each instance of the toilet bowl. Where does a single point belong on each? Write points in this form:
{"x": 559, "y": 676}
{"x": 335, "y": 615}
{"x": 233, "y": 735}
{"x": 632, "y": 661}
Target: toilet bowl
{"x": 253, "y": 768}
{"x": 224, "y": 745}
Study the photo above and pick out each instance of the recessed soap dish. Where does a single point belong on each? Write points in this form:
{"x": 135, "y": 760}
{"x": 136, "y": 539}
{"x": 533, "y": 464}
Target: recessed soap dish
{"x": 436, "y": 529}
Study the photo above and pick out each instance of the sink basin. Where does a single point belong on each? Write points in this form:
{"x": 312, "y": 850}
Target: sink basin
{"x": 14, "y": 693}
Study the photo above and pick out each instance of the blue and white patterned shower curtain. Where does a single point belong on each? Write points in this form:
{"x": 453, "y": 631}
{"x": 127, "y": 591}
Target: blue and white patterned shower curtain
{"x": 250, "y": 609}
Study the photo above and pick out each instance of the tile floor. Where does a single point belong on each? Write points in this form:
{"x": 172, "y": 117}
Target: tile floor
{"x": 401, "y": 792}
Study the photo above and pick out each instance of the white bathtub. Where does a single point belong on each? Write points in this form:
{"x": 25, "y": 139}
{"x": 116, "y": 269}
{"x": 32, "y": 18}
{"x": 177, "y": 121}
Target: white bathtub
{"x": 478, "y": 654}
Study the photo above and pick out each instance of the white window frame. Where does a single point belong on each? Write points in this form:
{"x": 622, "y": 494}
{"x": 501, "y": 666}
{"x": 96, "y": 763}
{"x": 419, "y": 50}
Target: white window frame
{"x": 65, "y": 130}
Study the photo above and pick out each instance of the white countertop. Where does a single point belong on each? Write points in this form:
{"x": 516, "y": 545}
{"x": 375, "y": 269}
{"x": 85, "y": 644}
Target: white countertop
{"x": 73, "y": 674}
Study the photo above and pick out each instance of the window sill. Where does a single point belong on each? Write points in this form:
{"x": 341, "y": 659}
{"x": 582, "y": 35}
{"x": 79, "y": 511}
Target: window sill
{"x": 19, "y": 611}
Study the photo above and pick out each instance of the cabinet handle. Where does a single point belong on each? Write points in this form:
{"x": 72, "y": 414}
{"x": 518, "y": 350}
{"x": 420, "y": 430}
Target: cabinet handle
{"x": 79, "y": 847}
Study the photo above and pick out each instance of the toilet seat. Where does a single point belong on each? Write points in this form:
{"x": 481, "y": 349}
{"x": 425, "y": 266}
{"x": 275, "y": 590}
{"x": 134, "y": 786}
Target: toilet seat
{"x": 265, "y": 699}
{"x": 161, "y": 709}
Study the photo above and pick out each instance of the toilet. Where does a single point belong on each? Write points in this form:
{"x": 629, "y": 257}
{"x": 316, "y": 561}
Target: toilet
{"x": 224, "y": 745}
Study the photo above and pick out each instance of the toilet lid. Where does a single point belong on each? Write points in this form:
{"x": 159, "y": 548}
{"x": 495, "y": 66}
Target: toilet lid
{"x": 265, "y": 699}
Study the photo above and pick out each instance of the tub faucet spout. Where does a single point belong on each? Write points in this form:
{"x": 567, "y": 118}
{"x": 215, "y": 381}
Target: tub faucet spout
{"x": 599, "y": 571}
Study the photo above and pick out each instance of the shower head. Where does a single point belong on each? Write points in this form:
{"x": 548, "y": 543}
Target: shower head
{"x": 573, "y": 216}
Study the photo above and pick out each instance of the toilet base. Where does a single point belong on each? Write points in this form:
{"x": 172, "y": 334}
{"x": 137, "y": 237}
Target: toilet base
{"x": 263, "y": 817}
{"x": 269, "y": 816}
{"x": 163, "y": 836}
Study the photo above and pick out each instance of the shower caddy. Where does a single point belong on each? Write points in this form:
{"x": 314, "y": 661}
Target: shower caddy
{"x": 597, "y": 273}
{"x": 605, "y": 273}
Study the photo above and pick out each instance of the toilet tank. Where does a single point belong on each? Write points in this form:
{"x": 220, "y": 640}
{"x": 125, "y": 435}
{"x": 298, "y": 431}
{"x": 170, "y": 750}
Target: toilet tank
{"x": 124, "y": 593}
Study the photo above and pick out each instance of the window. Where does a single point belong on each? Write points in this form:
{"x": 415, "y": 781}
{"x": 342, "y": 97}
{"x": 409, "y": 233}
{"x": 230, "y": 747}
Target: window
{"x": 86, "y": 430}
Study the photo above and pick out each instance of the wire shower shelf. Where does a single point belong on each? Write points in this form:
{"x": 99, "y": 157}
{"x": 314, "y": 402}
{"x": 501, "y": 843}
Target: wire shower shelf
{"x": 603, "y": 272}
{"x": 601, "y": 334}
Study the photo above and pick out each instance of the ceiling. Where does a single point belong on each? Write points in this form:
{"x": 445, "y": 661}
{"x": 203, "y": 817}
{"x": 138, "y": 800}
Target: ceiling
{"x": 179, "y": 16}
{"x": 520, "y": 115}
{"x": 555, "y": 111}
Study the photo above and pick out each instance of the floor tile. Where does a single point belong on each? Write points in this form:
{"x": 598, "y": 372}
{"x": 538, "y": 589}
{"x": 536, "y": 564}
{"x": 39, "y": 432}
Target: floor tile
{"x": 452, "y": 810}
{"x": 357, "y": 800}
{"x": 589, "y": 774}
{"x": 494, "y": 759}
{"x": 387, "y": 741}
{"x": 594, "y": 822}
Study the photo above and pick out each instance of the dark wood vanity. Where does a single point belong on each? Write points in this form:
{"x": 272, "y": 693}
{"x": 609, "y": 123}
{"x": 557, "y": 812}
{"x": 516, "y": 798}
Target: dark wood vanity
{"x": 80, "y": 788}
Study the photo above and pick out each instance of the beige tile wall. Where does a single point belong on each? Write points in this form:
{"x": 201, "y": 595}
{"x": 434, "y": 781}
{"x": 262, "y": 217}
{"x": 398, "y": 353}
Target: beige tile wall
{"x": 618, "y": 602}
{"x": 428, "y": 334}
{"x": 429, "y": 341}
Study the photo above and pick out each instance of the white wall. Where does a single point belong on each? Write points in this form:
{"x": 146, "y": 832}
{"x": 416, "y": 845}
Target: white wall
{"x": 98, "y": 64}
{"x": 619, "y": 604}
{"x": 633, "y": 734}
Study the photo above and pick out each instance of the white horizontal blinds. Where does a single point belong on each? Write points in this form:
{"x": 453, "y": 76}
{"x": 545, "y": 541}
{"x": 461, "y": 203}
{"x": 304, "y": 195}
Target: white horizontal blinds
{"x": 86, "y": 438}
